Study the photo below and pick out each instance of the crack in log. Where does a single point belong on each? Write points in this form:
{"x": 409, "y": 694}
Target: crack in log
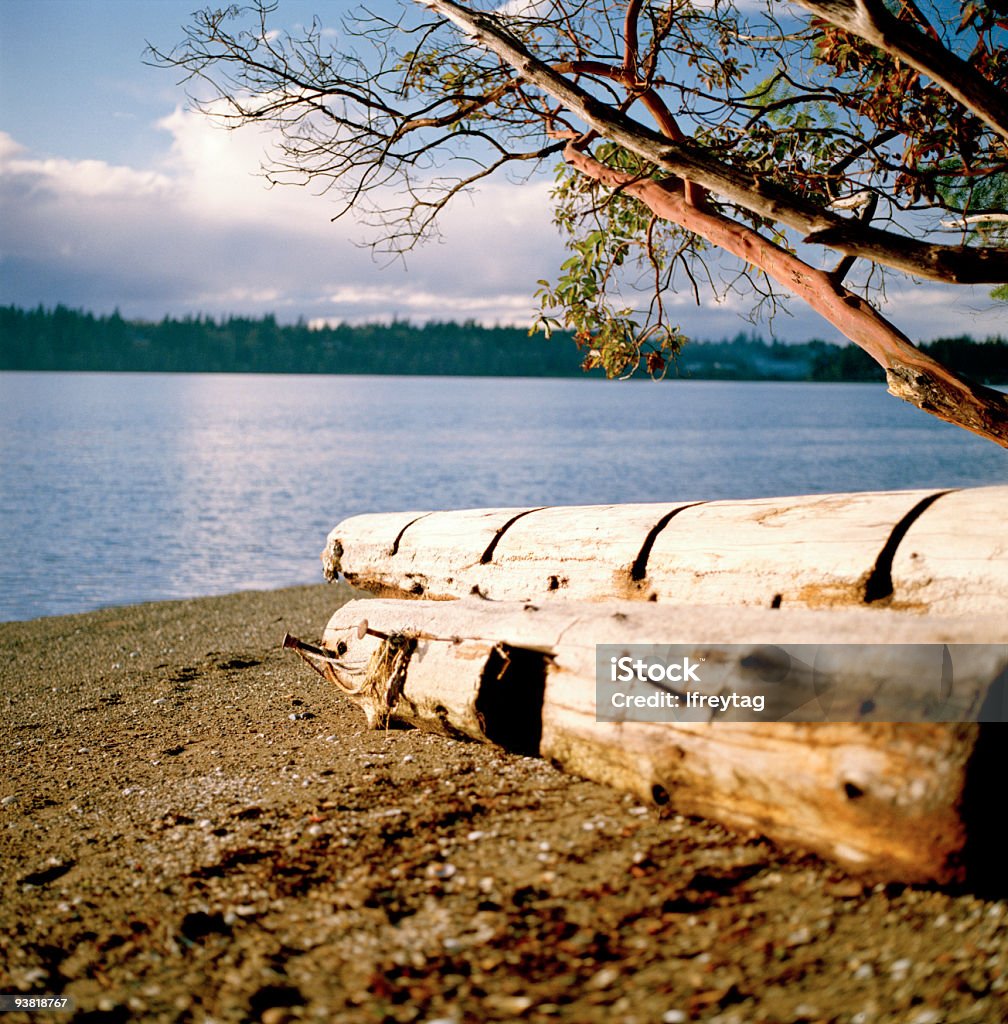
{"x": 399, "y": 536}
{"x": 879, "y": 584}
{"x": 488, "y": 554}
{"x": 639, "y": 568}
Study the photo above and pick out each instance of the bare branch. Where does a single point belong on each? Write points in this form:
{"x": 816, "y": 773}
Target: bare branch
{"x": 976, "y": 218}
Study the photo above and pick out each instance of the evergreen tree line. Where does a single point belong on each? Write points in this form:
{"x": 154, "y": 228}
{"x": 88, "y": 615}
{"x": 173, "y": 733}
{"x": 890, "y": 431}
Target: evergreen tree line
{"x": 66, "y": 339}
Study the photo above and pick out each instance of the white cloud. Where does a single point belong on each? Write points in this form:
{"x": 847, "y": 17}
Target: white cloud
{"x": 84, "y": 179}
{"x": 218, "y": 171}
{"x": 520, "y": 8}
{"x": 202, "y": 231}
{"x": 9, "y": 148}
{"x": 927, "y": 311}
{"x": 430, "y": 305}
{"x": 199, "y": 231}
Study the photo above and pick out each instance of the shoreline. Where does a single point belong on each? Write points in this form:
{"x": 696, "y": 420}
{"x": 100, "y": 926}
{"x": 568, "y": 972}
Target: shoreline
{"x": 177, "y": 599}
{"x": 195, "y": 827}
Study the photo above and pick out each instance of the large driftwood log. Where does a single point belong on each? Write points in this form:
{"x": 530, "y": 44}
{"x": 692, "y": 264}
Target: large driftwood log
{"x": 941, "y": 552}
{"x": 882, "y": 798}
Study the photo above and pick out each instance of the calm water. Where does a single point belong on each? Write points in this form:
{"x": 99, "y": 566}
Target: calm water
{"x": 123, "y": 488}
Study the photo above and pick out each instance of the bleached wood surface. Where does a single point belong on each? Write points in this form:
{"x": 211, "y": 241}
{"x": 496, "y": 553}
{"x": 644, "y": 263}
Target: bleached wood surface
{"x": 956, "y": 554}
{"x": 881, "y": 798}
{"x": 920, "y": 551}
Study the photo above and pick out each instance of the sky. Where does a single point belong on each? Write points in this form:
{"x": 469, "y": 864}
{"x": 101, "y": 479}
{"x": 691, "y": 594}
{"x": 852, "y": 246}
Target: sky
{"x": 115, "y": 195}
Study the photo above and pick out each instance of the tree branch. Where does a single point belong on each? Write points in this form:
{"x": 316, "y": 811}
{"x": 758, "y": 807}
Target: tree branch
{"x": 630, "y": 39}
{"x": 870, "y": 20}
{"x": 912, "y": 375}
{"x": 955, "y": 264}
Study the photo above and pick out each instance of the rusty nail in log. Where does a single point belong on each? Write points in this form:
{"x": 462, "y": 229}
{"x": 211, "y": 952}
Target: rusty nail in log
{"x": 365, "y": 630}
{"x": 294, "y": 644}
{"x": 321, "y": 659}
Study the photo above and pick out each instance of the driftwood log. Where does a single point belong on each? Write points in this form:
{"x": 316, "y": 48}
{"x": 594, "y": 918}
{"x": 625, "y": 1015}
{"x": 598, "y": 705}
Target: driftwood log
{"x": 884, "y": 799}
{"x": 885, "y": 773}
{"x": 940, "y": 552}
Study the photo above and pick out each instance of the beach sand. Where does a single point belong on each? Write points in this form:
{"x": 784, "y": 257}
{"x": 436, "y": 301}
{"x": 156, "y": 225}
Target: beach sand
{"x": 195, "y": 827}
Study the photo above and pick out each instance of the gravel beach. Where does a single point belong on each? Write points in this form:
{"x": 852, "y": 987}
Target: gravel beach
{"x": 195, "y": 827}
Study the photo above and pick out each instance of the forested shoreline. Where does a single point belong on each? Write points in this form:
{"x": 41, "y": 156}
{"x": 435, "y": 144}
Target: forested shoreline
{"x": 67, "y": 339}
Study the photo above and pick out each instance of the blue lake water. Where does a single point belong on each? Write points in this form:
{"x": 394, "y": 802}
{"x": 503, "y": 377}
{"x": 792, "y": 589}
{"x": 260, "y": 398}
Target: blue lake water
{"x": 118, "y": 488}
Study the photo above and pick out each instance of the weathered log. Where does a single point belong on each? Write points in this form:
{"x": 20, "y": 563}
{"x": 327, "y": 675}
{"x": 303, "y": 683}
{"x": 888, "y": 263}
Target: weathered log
{"x": 921, "y": 551}
{"x": 881, "y": 798}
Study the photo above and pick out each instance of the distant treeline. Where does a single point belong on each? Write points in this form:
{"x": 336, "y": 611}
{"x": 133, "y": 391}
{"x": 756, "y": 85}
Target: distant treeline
{"x": 66, "y": 339}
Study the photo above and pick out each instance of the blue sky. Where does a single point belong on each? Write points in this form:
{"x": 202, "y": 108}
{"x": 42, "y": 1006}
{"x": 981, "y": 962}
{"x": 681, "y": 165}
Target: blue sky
{"x": 114, "y": 195}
